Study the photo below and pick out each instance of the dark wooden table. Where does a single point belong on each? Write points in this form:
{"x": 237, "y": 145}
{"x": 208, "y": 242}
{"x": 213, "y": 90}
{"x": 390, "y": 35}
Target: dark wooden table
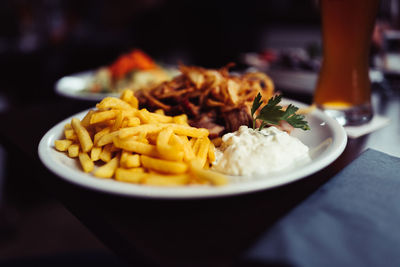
{"x": 205, "y": 232}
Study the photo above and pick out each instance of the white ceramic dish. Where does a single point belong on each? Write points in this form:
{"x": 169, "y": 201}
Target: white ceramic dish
{"x": 304, "y": 82}
{"x": 324, "y": 130}
{"x": 74, "y": 85}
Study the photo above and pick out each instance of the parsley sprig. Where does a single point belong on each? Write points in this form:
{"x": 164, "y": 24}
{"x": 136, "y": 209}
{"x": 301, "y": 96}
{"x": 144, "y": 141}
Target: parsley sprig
{"x": 272, "y": 113}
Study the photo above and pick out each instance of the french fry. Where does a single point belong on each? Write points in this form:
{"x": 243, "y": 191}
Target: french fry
{"x": 162, "y": 141}
{"x": 189, "y": 153}
{"x": 135, "y": 146}
{"x": 70, "y": 134}
{"x": 106, "y": 153}
{"x": 73, "y": 151}
{"x": 134, "y": 102}
{"x": 142, "y": 137}
{"x": 206, "y": 166}
{"x": 95, "y": 153}
{"x": 122, "y": 159}
{"x": 189, "y": 131}
{"x": 113, "y": 102}
{"x": 197, "y": 180}
{"x": 124, "y": 123}
{"x": 100, "y": 134}
{"x": 129, "y": 112}
{"x": 133, "y": 121}
{"x": 135, "y": 175}
{"x": 183, "y": 142}
{"x": 107, "y": 138}
{"x": 163, "y": 166}
{"x": 215, "y": 178}
{"x": 132, "y": 161}
{"x": 211, "y": 153}
{"x": 191, "y": 142}
{"x": 145, "y": 149}
{"x": 203, "y": 151}
{"x": 161, "y": 118}
{"x": 160, "y": 111}
{"x": 149, "y": 117}
{"x": 171, "y": 154}
{"x": 163, "y": 137}
{"x": 145, "y": 118}
{"x": 181, "y": 119}
{"x": 196, "y": 145}
{"x": 62, "y": 145}
{"x": 86, "y": 120}
{"x": 102, "y": 116}
{"x": 136, "y": 169}
{"x": 148, "y": 128}
{"x": 83, "y": 135}
{"x": 127, "y": 95}
{"x": 129, "y": 161}
{"x": 86, "y": 163}
{"x": 166, "y": 180}
{"x": 108, "y": 169}
{"x": 118, "y": 121}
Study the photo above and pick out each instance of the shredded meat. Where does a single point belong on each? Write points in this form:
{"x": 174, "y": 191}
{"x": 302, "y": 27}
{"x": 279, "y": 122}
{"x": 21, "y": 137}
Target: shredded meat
{"x": 212, "y": 99}
{"x": 207, "y": 122}
{"x": 236, "y": 118}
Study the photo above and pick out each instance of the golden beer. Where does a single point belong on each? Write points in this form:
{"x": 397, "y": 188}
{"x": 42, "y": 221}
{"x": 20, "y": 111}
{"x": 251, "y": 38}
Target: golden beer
{"x": 343, "y": 89}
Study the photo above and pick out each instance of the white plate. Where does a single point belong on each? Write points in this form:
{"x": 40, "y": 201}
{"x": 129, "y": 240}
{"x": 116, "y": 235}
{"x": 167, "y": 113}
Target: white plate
{"x": 298, "y": 81}
{"x": 294, "y": 81}
{"x": 322, "y": 128}
{"x": 74, "y": 86}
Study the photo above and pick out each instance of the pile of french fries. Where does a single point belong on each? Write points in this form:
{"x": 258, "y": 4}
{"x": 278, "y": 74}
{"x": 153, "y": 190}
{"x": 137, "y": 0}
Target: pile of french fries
{"x": 117, "y": 140}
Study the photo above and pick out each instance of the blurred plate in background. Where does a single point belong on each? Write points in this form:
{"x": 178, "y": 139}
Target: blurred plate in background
{"x": 299, "y": 81}
{"x": 75, "y": 86}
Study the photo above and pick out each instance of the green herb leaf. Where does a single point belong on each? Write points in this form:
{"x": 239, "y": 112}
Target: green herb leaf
{"x": 272, "y": 113}
{"x": 296, "y": 120}
{"x": 256, "y": 104}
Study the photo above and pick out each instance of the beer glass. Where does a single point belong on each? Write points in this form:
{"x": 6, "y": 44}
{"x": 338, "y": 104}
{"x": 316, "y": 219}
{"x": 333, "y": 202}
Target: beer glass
{"x": 343, "y": 89}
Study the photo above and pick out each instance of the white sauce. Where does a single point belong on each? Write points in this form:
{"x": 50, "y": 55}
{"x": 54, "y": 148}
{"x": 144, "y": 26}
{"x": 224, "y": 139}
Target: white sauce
{"x": 248, "y": 152}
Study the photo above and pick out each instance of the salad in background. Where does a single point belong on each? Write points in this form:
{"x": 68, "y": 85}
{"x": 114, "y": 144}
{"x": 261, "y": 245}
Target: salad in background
{"x": 133, "y": 70}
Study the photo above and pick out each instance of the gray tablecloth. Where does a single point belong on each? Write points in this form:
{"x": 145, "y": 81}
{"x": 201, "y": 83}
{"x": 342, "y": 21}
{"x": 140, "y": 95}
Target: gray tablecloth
{"x": 353, "y": 220}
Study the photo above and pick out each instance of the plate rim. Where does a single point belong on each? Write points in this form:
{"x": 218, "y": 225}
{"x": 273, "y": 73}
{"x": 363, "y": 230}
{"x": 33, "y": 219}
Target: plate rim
{"x": 339, "y": 141}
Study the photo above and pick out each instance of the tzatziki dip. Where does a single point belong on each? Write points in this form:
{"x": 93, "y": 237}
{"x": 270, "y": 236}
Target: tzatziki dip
{"x": 247, "y": 152}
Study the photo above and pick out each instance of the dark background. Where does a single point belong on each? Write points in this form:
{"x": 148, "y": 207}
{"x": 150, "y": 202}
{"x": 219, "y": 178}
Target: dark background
{"x": 42, "y": 41}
